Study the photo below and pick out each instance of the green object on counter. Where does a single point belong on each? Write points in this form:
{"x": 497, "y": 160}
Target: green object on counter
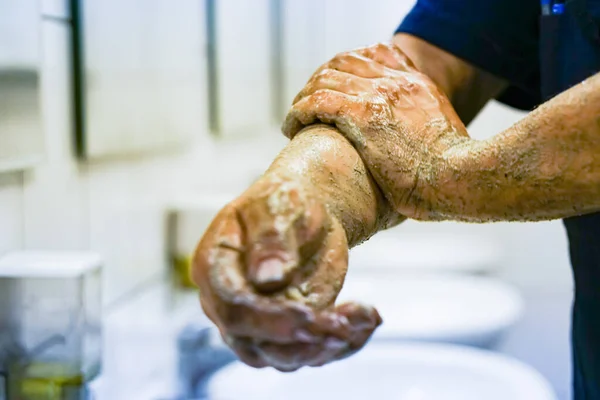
{"x": 182, "y": 266}
{"x": 44, "y": 381}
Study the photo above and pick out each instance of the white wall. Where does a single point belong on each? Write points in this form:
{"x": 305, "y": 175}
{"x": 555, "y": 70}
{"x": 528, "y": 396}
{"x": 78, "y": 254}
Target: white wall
{"x": 116, "y": 207}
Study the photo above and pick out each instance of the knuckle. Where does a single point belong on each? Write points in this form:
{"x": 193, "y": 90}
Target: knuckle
{"x": 344, "y": 58}
{"x": 380, "y": 47}
{"x": 321, "y": 94}
{"x": 340, "y": 56}
{"x": 294, "y": 113}
{"x": 328, "y": 73}
{"x": 321, "y": 77}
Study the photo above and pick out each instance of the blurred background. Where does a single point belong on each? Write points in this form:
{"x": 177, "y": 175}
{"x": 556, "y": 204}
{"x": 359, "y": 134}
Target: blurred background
{"x": 117, "y": 114}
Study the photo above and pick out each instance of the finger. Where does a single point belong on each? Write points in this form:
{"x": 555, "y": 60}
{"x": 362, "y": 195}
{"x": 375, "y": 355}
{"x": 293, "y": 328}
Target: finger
{"x": 264, "y": 319}
{"x": 333, "y": 350}
{"x": 226, "y": 272}
{"x": 352, "y": 323}
{"x": 271, "y": 242}
{"x": 357, "y": 64}
{"x": 291, "y": 357}
{"x": 290, "y": 323}
{"x": 339, "y": 109}
{"x": 217, "y": 257}
{"x": 362, "y": 319}
{"x": 324, "y": 273}
{"x": 282, "y": 322}
{"x": 226, "y": 294}
{"x": 232, "y": 303}
{"x": 388, "y": 55}
{"x": 322, "y": 106}
{"x": 338, "y": 81}
{"x": 246, "y": 351}
{"x": 348, "y": 330}
{"x": 281, "y": 230}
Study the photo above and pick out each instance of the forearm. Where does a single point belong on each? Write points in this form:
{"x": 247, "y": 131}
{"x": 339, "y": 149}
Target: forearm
{"x": 546, "y": 166}
{"x": 325, "y": 163}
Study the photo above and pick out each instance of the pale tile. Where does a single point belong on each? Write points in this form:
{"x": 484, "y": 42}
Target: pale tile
{"x": 11, "y": 212}
{"x": 56, "y": 193}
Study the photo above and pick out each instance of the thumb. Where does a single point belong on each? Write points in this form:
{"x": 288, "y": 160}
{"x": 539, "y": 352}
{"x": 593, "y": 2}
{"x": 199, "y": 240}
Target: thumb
{"x": 272, "y": 251}
{"x": 272, "y": 259}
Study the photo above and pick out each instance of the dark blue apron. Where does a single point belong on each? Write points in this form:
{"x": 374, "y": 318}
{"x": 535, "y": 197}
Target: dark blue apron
{"x": 570, "y": 53}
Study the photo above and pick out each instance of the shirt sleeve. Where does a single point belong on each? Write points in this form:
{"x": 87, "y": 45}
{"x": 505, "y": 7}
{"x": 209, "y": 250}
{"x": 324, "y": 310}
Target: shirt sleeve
{"x": 498, "y": 36}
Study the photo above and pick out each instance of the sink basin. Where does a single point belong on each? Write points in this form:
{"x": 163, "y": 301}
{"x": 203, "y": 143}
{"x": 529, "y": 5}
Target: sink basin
{"x": 391, "y": 251}
{"x": 391, "y": 372}
{"x": 467, "y": 310}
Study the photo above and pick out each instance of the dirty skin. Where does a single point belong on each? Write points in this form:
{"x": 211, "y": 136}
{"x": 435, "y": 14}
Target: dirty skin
{"x": 273, "y": 261}
{"x": 418, "y": 150}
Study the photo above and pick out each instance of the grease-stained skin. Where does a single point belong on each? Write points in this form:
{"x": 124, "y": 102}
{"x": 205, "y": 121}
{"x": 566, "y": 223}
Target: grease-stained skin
{"x": 547, "y": 166}
{"x": 272, "y": 263}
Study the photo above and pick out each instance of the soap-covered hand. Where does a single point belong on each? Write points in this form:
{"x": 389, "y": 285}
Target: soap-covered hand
{"x": 269, "y": 269}
{"x": 396, "y": 118}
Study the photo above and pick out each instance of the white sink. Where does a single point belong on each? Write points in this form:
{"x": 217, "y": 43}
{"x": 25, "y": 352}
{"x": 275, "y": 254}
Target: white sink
{"x": 392, "y": 251}
{"x": 391, "y": 372}
{"x": 445, "y": 308}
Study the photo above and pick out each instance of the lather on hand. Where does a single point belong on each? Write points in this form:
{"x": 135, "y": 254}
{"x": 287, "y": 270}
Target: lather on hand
{"x": 272, "y": 263}
{"x": 418, "y": 151}
{"x": 395, "y": 116}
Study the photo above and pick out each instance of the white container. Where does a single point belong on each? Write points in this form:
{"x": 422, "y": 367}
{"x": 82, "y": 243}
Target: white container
{"x": 390, "y": 372}
{"x": 468, "y": 310}
{"x": 392, "y": 251}
{"x": 50, "y": 320}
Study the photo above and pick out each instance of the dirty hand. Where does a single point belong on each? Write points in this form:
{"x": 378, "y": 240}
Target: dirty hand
{"x": 396, "y": 118}
{"x": 269, "y": 269}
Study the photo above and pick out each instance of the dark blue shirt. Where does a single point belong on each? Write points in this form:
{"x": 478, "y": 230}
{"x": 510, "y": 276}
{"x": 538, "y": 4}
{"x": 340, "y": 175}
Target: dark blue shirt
{"x": 540, "y": 56}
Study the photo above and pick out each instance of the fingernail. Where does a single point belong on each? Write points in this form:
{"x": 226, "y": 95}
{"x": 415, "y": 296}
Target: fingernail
{"x": 269, "y": 270}
{"x": 270, "y": 274}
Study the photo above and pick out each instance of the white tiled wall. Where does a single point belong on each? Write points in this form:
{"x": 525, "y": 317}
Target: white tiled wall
{"x": 56, "y": 194}
{"x": 11, "y": 211}
{"x": 116, "y": 207}
{"x": 243, "y": 66}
